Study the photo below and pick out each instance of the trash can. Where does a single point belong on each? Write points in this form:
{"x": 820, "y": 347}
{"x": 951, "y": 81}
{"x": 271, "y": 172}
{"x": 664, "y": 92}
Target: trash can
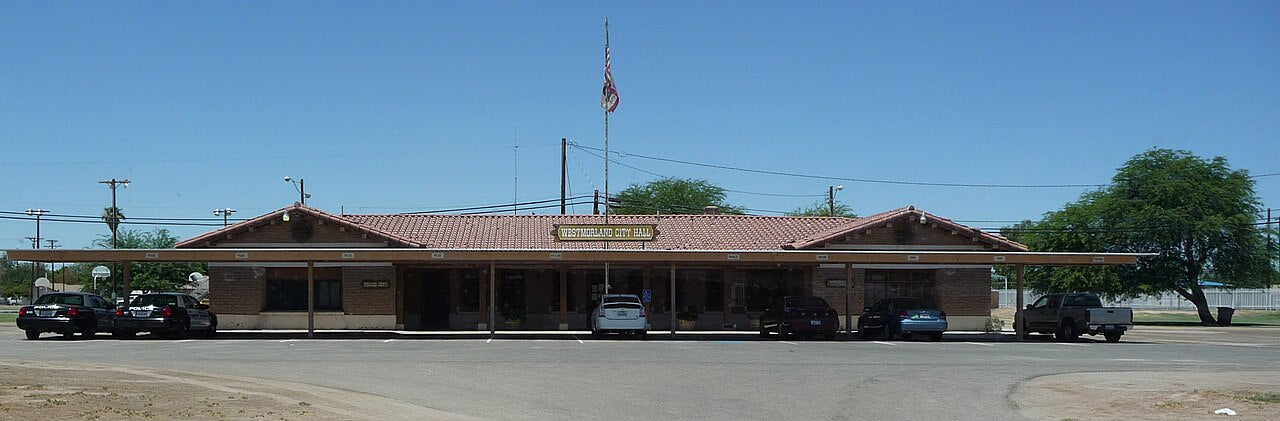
{"x": 1224, "y": 315}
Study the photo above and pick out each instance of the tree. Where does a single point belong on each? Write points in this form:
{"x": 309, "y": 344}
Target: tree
{"x": 1197, "y": 216}
{"x": 822, "y": 208}
{"x": 684, "y": 196}
{"x": 153, "y": 276}
{"x": 112, "y": 216}
{"x": 15, "y": 278}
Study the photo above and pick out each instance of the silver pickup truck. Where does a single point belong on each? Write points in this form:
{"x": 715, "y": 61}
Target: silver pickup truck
{"x": 1069, "y": 315}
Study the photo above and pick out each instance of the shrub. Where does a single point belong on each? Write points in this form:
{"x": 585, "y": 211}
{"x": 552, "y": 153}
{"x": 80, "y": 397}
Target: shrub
{"x": 993, "y": 325}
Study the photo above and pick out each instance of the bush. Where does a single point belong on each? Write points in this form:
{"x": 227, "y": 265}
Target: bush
{"x": 687, "y": 315}
{"x": 993, "y": 325}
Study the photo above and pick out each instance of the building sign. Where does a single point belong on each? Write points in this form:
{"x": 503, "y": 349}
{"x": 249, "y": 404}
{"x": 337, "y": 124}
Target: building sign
{"x": 836, "y": 283}
{"x": 605, "y": 232}
{"x": 376, "y": 284}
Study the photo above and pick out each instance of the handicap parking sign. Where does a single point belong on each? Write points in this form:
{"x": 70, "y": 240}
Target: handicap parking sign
{"x": 647, "y": 296}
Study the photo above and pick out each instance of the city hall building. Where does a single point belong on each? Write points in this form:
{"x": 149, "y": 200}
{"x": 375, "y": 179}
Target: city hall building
{"x": 554, "y": 291}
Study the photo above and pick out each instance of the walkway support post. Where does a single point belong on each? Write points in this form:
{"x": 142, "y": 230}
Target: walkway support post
{"x": 311, "y": 299}
{"x": 564, "y": 298}
{"x": 493, "y": 276}
{"x": 673, "y": 300}
{"x": 1018, "y": 326}
{"x": 848, "y": 317}
{"x": 128, "y": 281}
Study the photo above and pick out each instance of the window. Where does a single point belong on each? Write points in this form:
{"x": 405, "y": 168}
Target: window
{"x": 1043, "y": 301}
{"x": 881, "y": 284}
{"x": 67, "y": 299}
{"x": 714, "y": 291}
{"x": 291, "y": 295}
{"x": 469, "y": 291}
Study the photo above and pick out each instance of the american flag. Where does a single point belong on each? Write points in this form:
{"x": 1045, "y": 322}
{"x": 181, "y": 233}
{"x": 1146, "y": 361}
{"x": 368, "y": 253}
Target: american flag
{"x": 609, "y": 96}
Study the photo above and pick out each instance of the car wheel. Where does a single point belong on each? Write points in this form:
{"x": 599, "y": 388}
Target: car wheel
{"x": 126, "y": 334}
{"x": 596, "y": 334}
{"x": 829, "y": 336}
{"x": 68, "y": 334}
{"x": 1067, "y": 333}
{"x": 1112, "y": 336}
{"x": 181, "y": 332}
{"x": 764, "y": 333}
{"x": 212, "y": 329}
{"x": 33, "y": 334}
{"x": 862, "y": 332}
{"x": 642, "y": 335}
{"x": 935, "y": 336}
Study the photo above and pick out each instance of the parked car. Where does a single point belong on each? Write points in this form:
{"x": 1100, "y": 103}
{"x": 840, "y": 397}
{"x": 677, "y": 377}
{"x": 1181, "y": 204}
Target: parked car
{"x": 902, "y": 317}
{"x": 1069, "y": 315}
{"x": 620, "y": 313}
{"x": 801, "y": 315}
{"x": 67, "y": 313}
{"x": 168, "y": 314}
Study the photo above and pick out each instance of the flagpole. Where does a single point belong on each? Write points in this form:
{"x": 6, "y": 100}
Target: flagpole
{"x": 606, "y": 156}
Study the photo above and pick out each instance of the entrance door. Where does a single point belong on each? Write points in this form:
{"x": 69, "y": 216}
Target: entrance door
{"x": 435, "y": 300}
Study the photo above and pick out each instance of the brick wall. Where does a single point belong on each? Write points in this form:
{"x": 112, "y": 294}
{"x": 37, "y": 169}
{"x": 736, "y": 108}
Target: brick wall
{"x": 835, "y": 295}
{"x": 964, "y": 292}
{"x": 236, "y": 290}
{"x": 356, "y": 299}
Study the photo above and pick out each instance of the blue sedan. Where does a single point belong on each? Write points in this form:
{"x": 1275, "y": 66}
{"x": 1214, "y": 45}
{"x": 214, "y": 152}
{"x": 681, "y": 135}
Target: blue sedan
{"x": 902, "y": 317}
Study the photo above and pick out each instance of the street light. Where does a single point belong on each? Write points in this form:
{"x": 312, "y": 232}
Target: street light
{"x": 301, "y": 186}
{"x": 831, "y": 199}
{"x": 224, "y": 213}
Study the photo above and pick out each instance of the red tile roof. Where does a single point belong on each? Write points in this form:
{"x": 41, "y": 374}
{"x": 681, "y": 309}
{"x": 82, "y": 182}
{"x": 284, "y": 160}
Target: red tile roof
{"x": 534, "y": 232}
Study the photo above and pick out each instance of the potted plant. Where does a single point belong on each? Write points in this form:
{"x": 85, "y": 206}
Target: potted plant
{"x": 688, "y": 318}
{"x": 513, "y": 317}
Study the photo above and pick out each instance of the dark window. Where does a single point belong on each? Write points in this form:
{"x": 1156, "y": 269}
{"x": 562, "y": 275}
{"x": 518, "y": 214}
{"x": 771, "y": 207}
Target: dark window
{"x": 806, "y": 302}
{"x": 68, "y": 299}
{"x": 469, "y": 291}
{"x": 764, "y": 287}
{"x": 714, "y": 291}
{"x": 1090, "y": 301}
{"x": 881, "y": 284}
{"x": 291, "y": 295}
{"x": 154, "y": 301}
{"x": 1074, "y": 301}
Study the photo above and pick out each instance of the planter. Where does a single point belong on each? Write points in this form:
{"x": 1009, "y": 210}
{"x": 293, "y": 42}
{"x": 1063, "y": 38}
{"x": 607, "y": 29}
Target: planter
{"x": 687, "y": 324}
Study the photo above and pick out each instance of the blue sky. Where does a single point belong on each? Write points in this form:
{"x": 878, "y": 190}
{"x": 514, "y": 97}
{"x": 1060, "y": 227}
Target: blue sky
{"x": 402, "y": 106}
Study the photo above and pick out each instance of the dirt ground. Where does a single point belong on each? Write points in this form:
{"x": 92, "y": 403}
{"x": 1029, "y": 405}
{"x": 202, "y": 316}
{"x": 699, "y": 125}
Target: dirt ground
{"x": 1253, "y": 395}
{"x": 89, "y": 392}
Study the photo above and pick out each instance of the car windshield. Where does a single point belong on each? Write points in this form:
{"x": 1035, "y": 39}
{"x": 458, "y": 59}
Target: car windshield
{"x": 806, "y": 302}
{"x": 154, "y": 300}
{"x": 914, "y": 305}
{"x": 68, "y": 299}
{"x": 621, "y": 299}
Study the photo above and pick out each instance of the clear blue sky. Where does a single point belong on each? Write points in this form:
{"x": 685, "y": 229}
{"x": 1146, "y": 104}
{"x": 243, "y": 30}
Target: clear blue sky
{"x": 401, "y": 106}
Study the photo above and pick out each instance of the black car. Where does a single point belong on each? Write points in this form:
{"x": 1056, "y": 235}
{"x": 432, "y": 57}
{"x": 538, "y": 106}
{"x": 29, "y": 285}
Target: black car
{"x": 169, "y": 314}
{"x": 800, "y": 315}
{"x": 67, "y": 313}
{"x": 902, "y": 317}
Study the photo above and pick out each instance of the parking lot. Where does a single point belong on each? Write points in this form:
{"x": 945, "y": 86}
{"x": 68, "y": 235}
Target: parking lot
{"x": 573, "y": 377}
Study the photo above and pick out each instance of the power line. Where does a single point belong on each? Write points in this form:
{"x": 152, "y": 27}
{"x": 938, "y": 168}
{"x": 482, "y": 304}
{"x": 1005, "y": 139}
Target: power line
{"x": 615, "y": 160}
{"x": 855, "y": 179}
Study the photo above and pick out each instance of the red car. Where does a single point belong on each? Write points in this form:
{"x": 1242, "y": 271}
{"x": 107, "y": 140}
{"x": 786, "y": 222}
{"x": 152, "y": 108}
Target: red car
{"x": 800, "y": 315}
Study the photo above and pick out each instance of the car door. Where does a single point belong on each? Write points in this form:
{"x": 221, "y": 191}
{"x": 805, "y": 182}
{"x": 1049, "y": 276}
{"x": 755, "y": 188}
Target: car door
{"x": 1034, "y": 315}
{"x": 199, "y": 318}
{"x": 874, "y": 318}
{"x": 103, "y": 312}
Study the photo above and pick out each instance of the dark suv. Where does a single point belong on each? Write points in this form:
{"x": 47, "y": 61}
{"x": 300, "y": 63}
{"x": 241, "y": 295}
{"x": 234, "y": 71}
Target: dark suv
{"x": 67, "y": 313}
{"x": 168, "y": 314}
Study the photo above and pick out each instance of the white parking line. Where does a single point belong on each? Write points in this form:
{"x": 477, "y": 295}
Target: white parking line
{"x": 287, "y": 340}
{"x": 978, "y": 343}
{"x": 579, "y": 340}
{"x": 489, "y": 340}
{"x": 1073, "y": 344}
{"x": 184, "y": 340}
{"x": 884, "y": 343}
{"x": 388, "y": 340}
{"x": 788, "y": 342}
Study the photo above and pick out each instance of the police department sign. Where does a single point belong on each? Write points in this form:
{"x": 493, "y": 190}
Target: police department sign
{"x": 605, "y": 232}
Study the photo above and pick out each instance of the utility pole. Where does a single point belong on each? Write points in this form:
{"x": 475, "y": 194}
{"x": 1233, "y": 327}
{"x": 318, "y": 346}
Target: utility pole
{"x": 35, "y": 244}
{"x": 53, "y": 244}
{"x": 113, "y": 221}
{"x": 563, "y": 173}
{"x": 301, "y": 186}
{"x": 595, "y": 204}
{"x": 831, "y": 199}
{"x": 224, "y": 213}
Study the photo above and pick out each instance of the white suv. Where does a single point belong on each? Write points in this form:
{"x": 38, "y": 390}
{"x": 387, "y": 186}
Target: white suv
{"x": 621, "y": 313}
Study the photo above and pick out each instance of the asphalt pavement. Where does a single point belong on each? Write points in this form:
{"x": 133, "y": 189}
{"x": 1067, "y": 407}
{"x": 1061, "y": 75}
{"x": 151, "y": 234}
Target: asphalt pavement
{"x": 727, "y": 377}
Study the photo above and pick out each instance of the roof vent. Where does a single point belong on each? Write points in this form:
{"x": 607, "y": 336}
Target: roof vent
{"x": 711, "y": 210}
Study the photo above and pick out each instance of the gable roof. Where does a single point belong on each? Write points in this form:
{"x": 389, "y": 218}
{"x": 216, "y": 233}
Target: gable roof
{"x": 906, "y": 214}
{"x": 534, "y": 232}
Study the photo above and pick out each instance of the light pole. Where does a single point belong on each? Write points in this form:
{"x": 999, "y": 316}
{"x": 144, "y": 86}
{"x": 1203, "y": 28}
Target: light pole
{"x": 831, "y": 199}
{"x": 301, "y": 186}
{"x": 224, "y": 213}
{"x": 113, "y": 220}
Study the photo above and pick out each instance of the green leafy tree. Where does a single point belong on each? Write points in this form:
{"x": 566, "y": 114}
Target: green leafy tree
{"x": 684, "y": 196}
{"x": 1197, "y": 216}
{"x": 822, "y": 208}
{"x": 15, "y": 278}
{"x": 152, "y": 276}
{"x": 112, "y": 217}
